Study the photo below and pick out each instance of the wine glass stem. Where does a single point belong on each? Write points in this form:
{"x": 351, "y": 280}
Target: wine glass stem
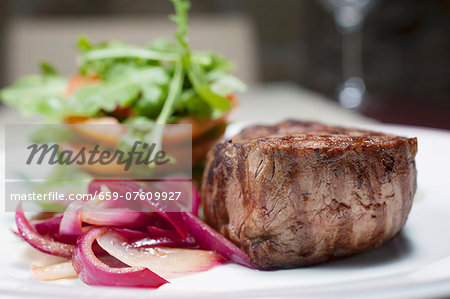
{"x": 351, "y": 54}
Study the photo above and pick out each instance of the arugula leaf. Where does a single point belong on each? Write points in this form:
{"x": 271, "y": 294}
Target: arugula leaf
{"x": 90, "y": 100}
{"x": 164, "y": 45}
{"x": 122, "y": 90}
{"x": 138, "y": 120}
{"x": 127, "y": 52}
{"x": 159, "y": 51}
{"x": 191, "y": 104}
{"x": 84, "y": 44}
{"x": 201, "y": 85}
{"x": 180, "y": 18}
{"x": 174, "y": 92}
{"x": 47, "y": 69}
{"x": 217, "y": 62}
{"x": 36, "y": 94}
{"x": 151, "y": 101}
{"x": 195, "y": 73}
{"x": 225, "y": 84}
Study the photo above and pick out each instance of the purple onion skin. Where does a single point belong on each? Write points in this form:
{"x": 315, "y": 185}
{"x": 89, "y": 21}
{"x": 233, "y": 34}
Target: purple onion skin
{"x": 71, "y": 225}
{"x": 210, "y": 239}
{"x": 195, "y": 200}
{"x": 155, "y": 231}
{"x": 166, "y": 184}
{"x": 131, "y": 235}
{"x": 48, "y": 226}
{"x": 94, "y": 272}
{"x": 175, "y": 218}
{"x": 38, "y": 241}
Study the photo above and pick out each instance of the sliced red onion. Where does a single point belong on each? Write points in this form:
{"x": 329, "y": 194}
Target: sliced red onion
{"x": 175, "y": 239}
{"x": 156, "y": 231}
{"x": 195, "y": 200}
{"x": 92, "y": 271}
{"x": 115, "y": 217}
{"x": 118, "y": 212}
{"x": 70, "y": 226}
{"x": 48, "y": 226}
{"x": 110, "y": 260}
{"x": 175, "y": 218}
{"x": 159, "y": 207}
{"x": 210, "y": 239}
{"x": 173, "y": 183}
{"x": 149, "y": 242}
{"x": 121, "y": 187}
{"x": 38, "y": 241}
{"x": 167, "y": 262}
{"x": 131, "y": 235}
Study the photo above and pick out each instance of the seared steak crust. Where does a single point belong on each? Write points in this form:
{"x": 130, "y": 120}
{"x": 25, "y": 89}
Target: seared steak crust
{"x": 302, "y": 193}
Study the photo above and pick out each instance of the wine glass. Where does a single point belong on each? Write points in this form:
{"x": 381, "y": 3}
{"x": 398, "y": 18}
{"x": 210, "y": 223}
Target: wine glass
{"x": 349, "y": 17}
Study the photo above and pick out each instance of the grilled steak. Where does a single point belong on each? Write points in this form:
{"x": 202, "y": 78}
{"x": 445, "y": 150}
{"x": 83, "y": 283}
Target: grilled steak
{"x": 302, "y": 193}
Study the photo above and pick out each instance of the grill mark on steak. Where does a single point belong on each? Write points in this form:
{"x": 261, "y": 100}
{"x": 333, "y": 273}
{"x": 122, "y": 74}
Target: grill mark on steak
{"x": 258, "y": 169}
{"x": 301, "y": 193}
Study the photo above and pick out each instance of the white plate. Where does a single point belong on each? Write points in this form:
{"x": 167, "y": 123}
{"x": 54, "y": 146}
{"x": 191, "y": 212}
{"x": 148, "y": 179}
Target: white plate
{"x": 415, "y": 264}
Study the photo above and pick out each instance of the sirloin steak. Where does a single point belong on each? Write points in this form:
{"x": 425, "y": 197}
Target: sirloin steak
{"x": 302, "y": 193}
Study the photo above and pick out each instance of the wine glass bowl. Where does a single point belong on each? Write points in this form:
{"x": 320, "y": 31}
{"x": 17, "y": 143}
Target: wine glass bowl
{"x": 349, "y": 18}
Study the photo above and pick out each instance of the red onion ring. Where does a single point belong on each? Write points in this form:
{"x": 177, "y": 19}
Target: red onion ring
{"x": 172, "y": 183}
{"x": 210, "y": 239}
{"x": 48, "y": 226}
{"x": 38, "y": 241}
{"x": 162, "y": 232}
{"x": 92, "y": 271}
{"x": 70, "y": 226}
{"x": 175, "y": 218}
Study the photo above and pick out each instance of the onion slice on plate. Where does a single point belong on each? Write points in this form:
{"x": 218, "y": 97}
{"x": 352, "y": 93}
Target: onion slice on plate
{"x": 115, "y": 217}
{"x": 38, "y": 241}
{"x": 92, "y": 271}
{"x": 166, "y": 262}
{"x": 131, "y": 235}
{"x": 48, "y": 226}
{"x": 70, "y": 226}
{"x": 210, "y": 239}
{"x": 175, "y": 219}
{"x": 185, "y": 186}
{"x": 156, "y": 231}
{"x": 51, "y": 267}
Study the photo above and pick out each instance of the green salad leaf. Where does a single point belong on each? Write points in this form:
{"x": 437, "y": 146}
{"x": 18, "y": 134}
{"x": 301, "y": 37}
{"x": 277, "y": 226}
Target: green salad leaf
{"x": 47, "y": 69}
{"x": 191, "y": 104}
{"x": 121, "y": 90}
{"x": 36, "y": 94}
{"x": 194, "y": 71}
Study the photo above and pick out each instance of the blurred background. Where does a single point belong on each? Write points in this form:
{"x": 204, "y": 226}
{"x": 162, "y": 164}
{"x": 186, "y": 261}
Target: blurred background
{"x": 400, "y": 49}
